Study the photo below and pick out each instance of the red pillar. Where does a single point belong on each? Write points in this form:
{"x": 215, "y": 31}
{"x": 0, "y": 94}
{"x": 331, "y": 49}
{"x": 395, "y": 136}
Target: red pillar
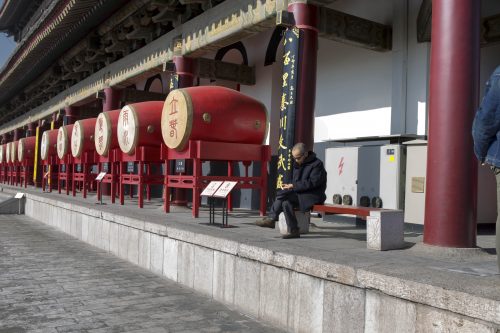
{"x": 112, "y": 101}
{"x": 31, "y": 129}
{"x": 17, "y": 134}
{"x": 306, "y": 19}
{"x": 184, "y": 68}
{"x": 71, "y": 114}
{"x": 37, "y": 163}
{"x": 451, "y": 167}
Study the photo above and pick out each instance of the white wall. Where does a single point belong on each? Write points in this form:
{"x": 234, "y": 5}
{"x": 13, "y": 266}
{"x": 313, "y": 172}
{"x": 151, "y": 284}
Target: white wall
{"x": 268, "y": 78}
{"x": 362, "y": 92}
{"x": 354, "y": 85}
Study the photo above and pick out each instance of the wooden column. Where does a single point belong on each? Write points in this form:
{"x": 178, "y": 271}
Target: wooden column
{"x": 183, "y": 78}
{"x": 450, "y": 201}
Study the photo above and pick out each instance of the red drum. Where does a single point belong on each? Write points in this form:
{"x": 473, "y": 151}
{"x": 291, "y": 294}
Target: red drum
{"x": 26, "y": 148}
{"x": 7, "y": 152}
{"x": 213, "y": 114}
{"x": 139, "y": 125}
{"x": 48, "y": 144}
{"x": 82, "y": 139}
{"x": 13, "y": 151}
{"x": 63, "y": 140}
{"x": 2, "y": 154}
{"x": 104, "y": 128}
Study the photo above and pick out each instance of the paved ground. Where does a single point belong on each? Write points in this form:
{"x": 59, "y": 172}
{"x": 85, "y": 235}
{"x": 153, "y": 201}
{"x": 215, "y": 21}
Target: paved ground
{"x": 51, "y": 282}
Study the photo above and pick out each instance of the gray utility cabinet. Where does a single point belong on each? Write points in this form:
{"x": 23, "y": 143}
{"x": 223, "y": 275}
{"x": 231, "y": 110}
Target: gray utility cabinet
{"x": 416, "y": 168}
{"x": 370, "y": 171}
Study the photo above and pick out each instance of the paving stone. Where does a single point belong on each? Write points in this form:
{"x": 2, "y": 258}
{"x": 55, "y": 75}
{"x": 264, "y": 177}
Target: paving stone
{"x": 274, "y": 293}
{"x": 389, "y": 314}
{"x": 145, "y": 249}
{"x": 170, "y": 256}
{"x": 343, "y": 308}
{"x": 157, "y": 254}
{"x": 51, "y": 282}
{"x": 434, "y": 320}
{"x": 185, "y": 265}
{"x": 247, "y": 286}
{"x": 305, "y": 305}
{"x": 223, "y": 277}
{"x": 203, "y": 269}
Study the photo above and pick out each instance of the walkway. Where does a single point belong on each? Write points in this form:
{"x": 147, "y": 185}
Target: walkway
{"x": 51, "y": 282}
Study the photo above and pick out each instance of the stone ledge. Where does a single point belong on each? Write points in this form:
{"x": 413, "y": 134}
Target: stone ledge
{"x": 436, "y": 296}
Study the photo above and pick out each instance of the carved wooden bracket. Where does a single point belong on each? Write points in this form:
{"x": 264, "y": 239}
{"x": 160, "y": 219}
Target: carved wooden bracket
{"x": 349, "y": 29}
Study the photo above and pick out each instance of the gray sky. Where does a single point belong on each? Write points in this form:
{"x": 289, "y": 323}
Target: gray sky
{"x": 7, "y": 45}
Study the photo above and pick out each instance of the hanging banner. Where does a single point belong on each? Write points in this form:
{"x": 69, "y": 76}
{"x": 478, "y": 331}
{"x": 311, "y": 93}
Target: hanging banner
{"x": 287, "y": 105}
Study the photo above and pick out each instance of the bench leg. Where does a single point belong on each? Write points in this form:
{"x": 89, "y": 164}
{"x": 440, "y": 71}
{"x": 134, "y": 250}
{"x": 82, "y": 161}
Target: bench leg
{"x": 385, "y": 230}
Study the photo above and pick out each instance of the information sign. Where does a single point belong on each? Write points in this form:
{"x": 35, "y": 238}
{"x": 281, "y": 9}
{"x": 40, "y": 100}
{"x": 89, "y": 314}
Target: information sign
{"x": 100, "y": 176}
{"x": 225, "y": 189}
{"x": 211, "y": 188}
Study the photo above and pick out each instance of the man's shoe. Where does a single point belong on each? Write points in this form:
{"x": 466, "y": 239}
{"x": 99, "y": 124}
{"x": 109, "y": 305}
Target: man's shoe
{"x": 294, "y": 233}
{"x": 266, "y": 222}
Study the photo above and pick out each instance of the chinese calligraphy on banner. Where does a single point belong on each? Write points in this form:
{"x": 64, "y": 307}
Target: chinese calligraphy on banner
{"x": 287, "y": 105}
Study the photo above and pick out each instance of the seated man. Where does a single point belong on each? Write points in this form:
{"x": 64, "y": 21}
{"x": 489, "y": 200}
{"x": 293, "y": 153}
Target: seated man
{"x": 307, "y": 189}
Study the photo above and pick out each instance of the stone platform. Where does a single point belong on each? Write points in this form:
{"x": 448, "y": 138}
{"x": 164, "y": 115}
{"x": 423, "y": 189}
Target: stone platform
{"x": 326, "y": 281}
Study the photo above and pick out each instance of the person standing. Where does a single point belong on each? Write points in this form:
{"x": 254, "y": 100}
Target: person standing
{"x": 307, "y": 189}
{"x": 486, "y": 135}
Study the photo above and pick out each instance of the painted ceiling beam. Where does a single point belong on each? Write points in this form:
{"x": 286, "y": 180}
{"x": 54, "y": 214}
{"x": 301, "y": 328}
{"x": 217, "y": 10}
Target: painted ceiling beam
{"x": 490, "y": 26}
{"x": 349, "y": 29}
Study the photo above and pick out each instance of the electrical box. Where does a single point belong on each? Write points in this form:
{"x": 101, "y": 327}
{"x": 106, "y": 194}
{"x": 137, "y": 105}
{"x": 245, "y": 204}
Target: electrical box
{"x": 416, "y": 168}
{"x": 392, "y": 176}
{"x": 366, "y": 175}
{"x": 353, "y": 173}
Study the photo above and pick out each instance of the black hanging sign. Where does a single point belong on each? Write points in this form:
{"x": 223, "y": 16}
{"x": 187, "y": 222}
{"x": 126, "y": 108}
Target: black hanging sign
{"x": 287, "y": 105}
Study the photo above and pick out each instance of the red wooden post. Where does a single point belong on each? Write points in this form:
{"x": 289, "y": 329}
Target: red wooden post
{"x": 451, "y": 167}
{"x": 306, "y": 19}
{"x": 184, "y": 68}
{"x": 112, "y": 101}
{"x": 71, "y": 114}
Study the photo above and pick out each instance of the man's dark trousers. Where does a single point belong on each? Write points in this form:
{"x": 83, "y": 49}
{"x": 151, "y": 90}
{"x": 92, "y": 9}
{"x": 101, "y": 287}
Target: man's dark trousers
{"x": 286, "y": 202}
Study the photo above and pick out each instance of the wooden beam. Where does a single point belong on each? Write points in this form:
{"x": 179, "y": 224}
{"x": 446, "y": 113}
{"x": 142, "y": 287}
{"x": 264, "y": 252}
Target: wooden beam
{"x": 490, "y": 30}
{"x": 490, "y": 26}
{"x": 136, "y": 96}
{"x": 353, "y": 30}
{"x": 219, "y": 70}
{"x": 424, "y": 20}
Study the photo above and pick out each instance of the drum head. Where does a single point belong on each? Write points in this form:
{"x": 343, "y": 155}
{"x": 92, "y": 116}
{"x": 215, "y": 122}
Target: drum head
{"x": 177, "y": 119}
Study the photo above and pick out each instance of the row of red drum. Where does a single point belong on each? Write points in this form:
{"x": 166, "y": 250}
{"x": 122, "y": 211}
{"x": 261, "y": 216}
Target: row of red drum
{"x": 210, "y": 113}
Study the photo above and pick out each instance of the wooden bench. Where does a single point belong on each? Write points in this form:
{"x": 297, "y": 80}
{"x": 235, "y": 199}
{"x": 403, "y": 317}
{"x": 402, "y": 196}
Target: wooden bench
{"x": 384, "y": 227}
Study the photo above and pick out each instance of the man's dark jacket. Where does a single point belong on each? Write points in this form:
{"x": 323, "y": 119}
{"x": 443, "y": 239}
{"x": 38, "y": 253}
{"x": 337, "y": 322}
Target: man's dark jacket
{"x": 309, "y": 182}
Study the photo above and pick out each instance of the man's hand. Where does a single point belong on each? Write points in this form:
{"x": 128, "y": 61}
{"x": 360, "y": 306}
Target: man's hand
{"x": 287, "y": 186}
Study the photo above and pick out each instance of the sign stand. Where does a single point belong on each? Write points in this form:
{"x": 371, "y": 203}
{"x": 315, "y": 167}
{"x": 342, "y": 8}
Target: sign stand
{"x": 20, "y": 196}
{"x": 222, "y": 192}
{"x": 47, "y": 176}
{"x": 218, "y": 190}
{"x": 209, "y": 192}
{"x": 100, "y": 178}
